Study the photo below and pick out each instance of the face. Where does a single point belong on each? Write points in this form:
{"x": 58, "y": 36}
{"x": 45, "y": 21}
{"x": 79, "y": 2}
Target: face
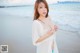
{"x": 42, "y": 10}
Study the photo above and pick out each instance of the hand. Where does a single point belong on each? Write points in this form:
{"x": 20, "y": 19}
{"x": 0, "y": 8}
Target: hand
{"x": 51, "y": 31}
{"x": 55, "y": 27}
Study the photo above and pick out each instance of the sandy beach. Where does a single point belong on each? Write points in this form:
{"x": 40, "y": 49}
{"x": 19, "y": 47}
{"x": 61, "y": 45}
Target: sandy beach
{"x": 68, "y": 42}
{"x": 17, "y": 31}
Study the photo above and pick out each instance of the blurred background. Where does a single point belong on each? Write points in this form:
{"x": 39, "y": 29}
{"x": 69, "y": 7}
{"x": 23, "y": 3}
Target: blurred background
{"x": 16, "y": 25}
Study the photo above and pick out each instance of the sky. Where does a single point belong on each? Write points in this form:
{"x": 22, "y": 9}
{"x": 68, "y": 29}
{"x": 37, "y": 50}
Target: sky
{"x": 30, "y": 2}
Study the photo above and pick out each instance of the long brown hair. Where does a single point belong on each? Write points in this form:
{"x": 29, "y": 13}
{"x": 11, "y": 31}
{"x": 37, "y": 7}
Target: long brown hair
{"x": 36, "y": 14}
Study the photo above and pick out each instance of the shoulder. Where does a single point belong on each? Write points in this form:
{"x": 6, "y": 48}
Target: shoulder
{"x": 36, "y": 25}
{"x": 35, "y": 22}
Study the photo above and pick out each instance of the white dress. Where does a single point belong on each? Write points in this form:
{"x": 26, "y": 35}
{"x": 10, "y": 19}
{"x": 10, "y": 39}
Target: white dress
{"x": 45, "y": 46}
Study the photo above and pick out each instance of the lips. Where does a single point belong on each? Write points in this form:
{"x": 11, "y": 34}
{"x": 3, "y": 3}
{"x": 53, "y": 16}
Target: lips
{"x": 44, "y": 12}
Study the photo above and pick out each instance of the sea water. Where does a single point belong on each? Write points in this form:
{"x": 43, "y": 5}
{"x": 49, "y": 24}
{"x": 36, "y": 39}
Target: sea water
{"x": 66, "y": 16}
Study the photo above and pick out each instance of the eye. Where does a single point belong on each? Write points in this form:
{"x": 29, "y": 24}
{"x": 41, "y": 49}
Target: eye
{"x": 40, "y": 7}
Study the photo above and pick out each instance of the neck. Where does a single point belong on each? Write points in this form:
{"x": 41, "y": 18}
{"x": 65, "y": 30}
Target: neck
{"x": 42, "y": 18}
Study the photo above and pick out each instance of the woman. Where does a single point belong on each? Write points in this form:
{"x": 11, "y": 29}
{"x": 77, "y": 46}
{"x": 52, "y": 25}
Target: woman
{"x": 43, "y": 30}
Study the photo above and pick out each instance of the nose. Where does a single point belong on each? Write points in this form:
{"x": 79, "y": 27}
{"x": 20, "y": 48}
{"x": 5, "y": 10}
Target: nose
{"x": 44, "y": 9}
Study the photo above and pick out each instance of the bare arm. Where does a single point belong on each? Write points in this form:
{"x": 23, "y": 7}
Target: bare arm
{"x": 48, "y": 34}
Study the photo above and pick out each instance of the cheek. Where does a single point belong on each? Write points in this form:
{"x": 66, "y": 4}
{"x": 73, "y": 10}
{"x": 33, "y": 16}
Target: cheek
{"x": 46, "y": 9}
{"x": 40, "y": 11}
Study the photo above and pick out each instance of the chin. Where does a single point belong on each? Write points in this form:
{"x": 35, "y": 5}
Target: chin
{"x": 44, "y": 15}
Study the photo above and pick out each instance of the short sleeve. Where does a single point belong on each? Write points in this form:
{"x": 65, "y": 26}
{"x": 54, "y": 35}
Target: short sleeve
{"x": 35, "y": 32}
